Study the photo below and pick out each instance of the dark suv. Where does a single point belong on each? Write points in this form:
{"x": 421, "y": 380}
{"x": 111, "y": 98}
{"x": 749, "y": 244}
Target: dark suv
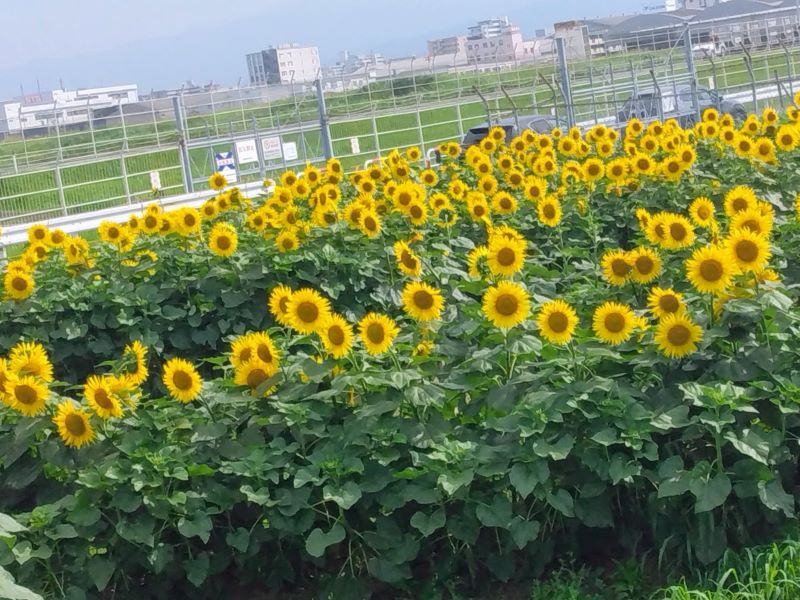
{"x": 649, "y": 105}
{"x": 537, "y": 123}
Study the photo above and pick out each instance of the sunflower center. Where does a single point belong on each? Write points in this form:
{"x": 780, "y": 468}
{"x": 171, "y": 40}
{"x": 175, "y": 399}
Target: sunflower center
{"x": 102, "y": 399}
{"x": 423, "y": 299}
{"x": 25, "y": 394}
{"x": 752, "y": 225}
{"x": 614, "y": 322}
{"x": 669, "y": 304}
{"x": 506, "y": 256}
{"x": 376, "y": 333}
{"x": 256, "y": 377}
{"x": 558, "y": 322}
{"x": 308, "y": 312}
{"x": 189, "y": 220}
{"x": 515, "y": 179}
{"x": 264, "y": 353}
{"x": 223, "y": 242}
{"x": 370, "y": 224}
{"x": 287, "y": 243}
{"x": 644, "y": 264}
{"x": 593, "y": 170}
{"x": 403, "y": 198}
{"x": 182, "y": 380}
{"x": 245, "y": 354}
{"x": 711, "y": 270}
{"x": 786, "y": 139}
{"x": 336, "y": 335}
{"x": 19, "y": 284}
{"x": 687, "y": 156}
{"x": 549, "y": 211}
{"x": 678, "y": 231}
{"x": 150, "y": 221}
{"x": 620, "y": 267}
{"x": 283, "y": 304}
{"x": 747, "y": 251}
{"x": 643, "y": 164}
{"x": 739, "y": 204}
{"x": 506, "y": 304}
{"x": 673, "y": 167}
{"x": 678, "y": 335}
{"x": 75, "y": 425}
{"x": 703, "y": 212}
{"x": 478, "y": 210}
{"x": 409, "y": 262}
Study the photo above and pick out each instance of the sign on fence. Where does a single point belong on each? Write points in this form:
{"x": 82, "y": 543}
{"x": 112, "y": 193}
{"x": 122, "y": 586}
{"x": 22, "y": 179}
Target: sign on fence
{"x": 290, "y": 151}
{"x": 226, "y": 165}
{"x": 355, "y": 146}
{"x": 246, "y": 151}
{"x": 155, "y": 180}
{"x": 271, "y": 147}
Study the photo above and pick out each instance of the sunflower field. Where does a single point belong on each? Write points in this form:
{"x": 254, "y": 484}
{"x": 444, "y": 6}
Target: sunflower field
{"x": 405, "y": 380}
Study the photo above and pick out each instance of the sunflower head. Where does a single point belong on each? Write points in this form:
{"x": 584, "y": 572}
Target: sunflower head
{"x": 377, "y": 333}
{"x": 100, "y": 395}
{"x": 217, "y": 181}
{"x": 557, "y": 321}
{"x": 26, "y": 394}
{"x": 307, "y": 310}
{"x": 549, "y": 211}
{"x": 613, "y": 323}
{"x": 664, "y": 302}
{"x": 506, "y": 304}
{"x": 506, "y": 255}
{"x": 616, "y": 265}
{"x": 279, "y": 303}
{"x": 30, "y": 358}
{"x": 422, "y": 302}
{"x": 182, "y": 380}
{"x": 645, "y": 264}
{"x": 336, "y": 335}
{"x": 223, "y": 239}
{"x": 73, "y": 424}
{"x": 710, "y": 269}
{"x": 748, "y": 250}
{"x": 407, "y": 261}
{"x": 676, "y": 335}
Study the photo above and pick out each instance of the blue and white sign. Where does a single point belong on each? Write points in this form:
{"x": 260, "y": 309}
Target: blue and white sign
{"x": 226, "y": 164}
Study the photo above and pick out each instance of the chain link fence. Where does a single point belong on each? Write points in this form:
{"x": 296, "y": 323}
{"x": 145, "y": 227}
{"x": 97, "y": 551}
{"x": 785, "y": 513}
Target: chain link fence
{"x": 112, "y": 156}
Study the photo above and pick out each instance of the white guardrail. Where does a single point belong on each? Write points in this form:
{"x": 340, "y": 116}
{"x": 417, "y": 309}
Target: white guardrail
{"x": 15, "y": 234}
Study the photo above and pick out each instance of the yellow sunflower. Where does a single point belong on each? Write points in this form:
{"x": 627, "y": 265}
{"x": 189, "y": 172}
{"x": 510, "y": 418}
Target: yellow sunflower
{"x": 252, "y": 373}
{"x": 506, "y": 304}
{"x": 263, "y": 348}
{"x": 748, "y": 250}
{"x": 279, "y": 303}
{"x": 242, "y": 350}
{"x": 135, "y": 358}
{"x": 26, "y": 394}
{"x": 535, "y": 188}
{"x": 646, "y": 264}
{"x": 18, "y": 285}
{"x": 477, "y": 206}
{"x": 474, "y": 261}
{"x": 30, "y": 358}
{"x": 217, "y": 181}
{"x": 701, "y": 211}
{"x": 710, "y": 269}
{"x": 307, "y": 309}
{"x": 182, "y": 380}
{"x": 739, "y": 199}
{"x": 593, "y": 169}
{"x": 100, "y": 397}
{"x": 557, "y": 322}
{"x": 223, "y": 240}
{"x": 407, "y": 261}
{"x": 73, "y": 425}
{"x": 287, "y": 240}
{"x": 676, "y": 335}
{"x": 504, "y": 203}
{"x": 664, "y": 302}
{"x": 613, "y": 323}
{"x": 616, "y": 265}
{"x": 422, "y": 302}
{"x": 38, "y": 233}
{"x": 336, "y": 335}
{"x": 377, "y": 332}
{"x": 679, "y": 232}
{"x": 752, "y": 219}
{"x": 506, "y": 256}
{"x": 370, "y": 223}
{"x": 549, "y": 211}
{"x": 189, "y": 221}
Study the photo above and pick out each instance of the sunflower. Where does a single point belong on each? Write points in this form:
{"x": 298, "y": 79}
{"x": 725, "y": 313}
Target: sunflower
{"x": 182, "y": 380}
{"x": 506, "y": 304}
{"x": 189, "y": 221}
{"x": 710, "y": 269}
{"x": 753, "y": 220}
{"x": 208, "y": 210}
{"x": 645, "y": 263}
{"x": 307, "y": 309}
{"x": 457, "y": 189}
{"x": 413, "y": 154}
{"x": 26, "y": 394}
{"x": 429, "y": 177}
{"x": 370, "y": 223}
{"x": 549, "y": 211}
{"x": 504, "y": 203}
{"x": 748, "y": 250}
{"x": 263, "y": 348}
{"x": 287, "y": 240}
{"x": 18, "y": 285}
{"x": 616, "y": 267}
{"x": 217, "y": 181}
{"x": 151, "y": 223}
{"x": 617, "y": 169}
{"x": 30, "y": 358}
{"x": 252, "y": 373}
{"x": 593, "y": 169}
{"x": 377, "y": 332}
{"x": 56, "y": 237}
{"x": 613, "y": 323}
{"x": 787, "y": 138}
{"x": 474, "y": 261}
{"x": 557, "y": 321}
{"x": 223, "y": 239}
{"x": 242, "y": 350}
{"x": 100, "y": 396}
{"x": 73, "y": 425}
{"x": 38, "y": 233}
{"x": 477, "y": 206}
{"x": 487, "y": 185}
{"x": 279, "y": 303}
{"x": 407, "y": 261}
{"x": 739, "y": 199}
{"x": 336, "y": 335}
{"x": 534, "y": 188}
{"x": 701, "y": 211}
{"x": 422, "y": 302}
{"x": 676, "y": 335}
{"x": 135, "y": 358}
{"x": 679, "y": 232}
{"x": 506, "y": 256}
{"x": 664, "y": 302}
{"x": 417, "y": 213}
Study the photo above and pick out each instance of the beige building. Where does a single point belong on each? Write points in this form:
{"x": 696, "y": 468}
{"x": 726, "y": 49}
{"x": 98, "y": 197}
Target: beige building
{"x": 288, "y": 63}
{"x": 450, "y": 45}
{"x": 501, "y": 45}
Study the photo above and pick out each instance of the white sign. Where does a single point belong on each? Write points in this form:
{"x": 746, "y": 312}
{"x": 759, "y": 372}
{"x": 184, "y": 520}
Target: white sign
{"x": 246, "y": 151}
{"x": 226, "y": 165}
{"x": 155, "y": 180}
{"x": 271, "y": 147}
{"x": 355, "y": 146}
{"x": 290, "y": 151}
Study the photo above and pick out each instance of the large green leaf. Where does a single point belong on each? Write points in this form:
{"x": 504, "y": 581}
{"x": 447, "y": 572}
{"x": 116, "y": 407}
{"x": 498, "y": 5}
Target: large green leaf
{"x": 710, "y": 493}
{"x": 318, "y": 541}
{"x": 11, "y": 591}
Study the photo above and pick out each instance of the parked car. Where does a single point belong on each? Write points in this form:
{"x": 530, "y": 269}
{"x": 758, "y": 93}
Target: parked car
{"x": 649, "y": 105}
{"x": 537, "y": 123}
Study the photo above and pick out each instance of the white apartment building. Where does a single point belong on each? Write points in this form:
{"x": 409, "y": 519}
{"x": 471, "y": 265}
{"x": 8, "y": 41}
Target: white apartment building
{"x": 286, "y": 64}
{"x": 488, "y": 28}
{"x": 456, "y": 44}
{"x": 496, "y": 47}
{"x": 61, "y": 108}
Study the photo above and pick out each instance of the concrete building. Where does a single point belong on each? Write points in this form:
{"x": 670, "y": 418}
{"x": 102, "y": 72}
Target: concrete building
{"x": 456, "y": 44}
{"x": 61, "y": 109}
{"x": 488, "y": 28}
{"x": 494, "y": 47}
{"x": 288, "y": 63}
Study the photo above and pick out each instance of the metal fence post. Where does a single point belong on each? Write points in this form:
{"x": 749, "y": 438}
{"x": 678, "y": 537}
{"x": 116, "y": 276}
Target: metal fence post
{"x": 262, "y": 168}
{"x": 324, "y": 124}
{"x": 60, "y": 188}
{"x": 566, "y": 89}
{"x": 124, "y": 169}
{"x": 687, "y": 47}
{"x": 186, "y": 170}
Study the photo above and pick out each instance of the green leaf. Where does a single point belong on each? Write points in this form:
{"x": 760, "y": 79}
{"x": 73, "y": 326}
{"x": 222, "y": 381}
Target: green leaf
{"x": 427, "y": 524}
{"x": 523, "y": 532}
{"x": 318, "y": 541}
{"x": 775, "y": 497}
{"x": 100, "y": 570}
{"x": 497, "y": 514}
{"x": 674, "y": 486}
{"x": 199, "y": 525}
{"x": 259, "y": 496}
{"x": 211, "y": 431}
{"x": 605, "y": 437}
{"x": 24, "y": 551}
{"x": 525, "y": 476}
{"x": 11, "y": 591}
{"x": 674, "y": 418}
{"x": 452, "y": 481}
{"x": 9, "y": 526}
{"x": 345, "y": 496}
{"x": 562, "y": 502}
{"x": 710, "y": 493}
{"x": 558, "y": 450}
{"x": 62, "y": 531}
{"x": 197, "y": 569}
{"x": 239, "y": 539}
{"x": 750, "y": 443}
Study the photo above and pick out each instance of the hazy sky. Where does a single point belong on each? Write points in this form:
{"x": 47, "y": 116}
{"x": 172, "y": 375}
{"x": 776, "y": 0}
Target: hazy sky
{"x": 161, "y": 43}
